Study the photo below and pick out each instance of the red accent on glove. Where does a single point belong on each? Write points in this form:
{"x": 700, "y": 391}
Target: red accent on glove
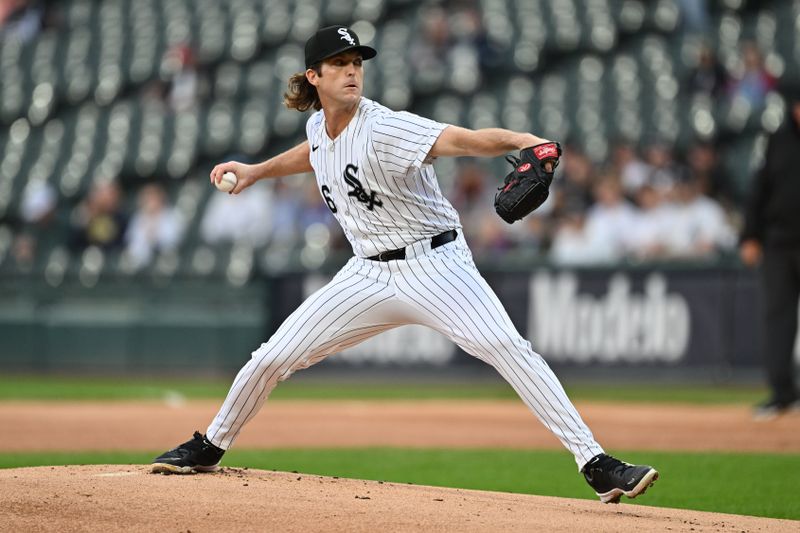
{"x": 524, "y": 167}
{"x": 545, "y": 151}
{"x": 510, "y": 184}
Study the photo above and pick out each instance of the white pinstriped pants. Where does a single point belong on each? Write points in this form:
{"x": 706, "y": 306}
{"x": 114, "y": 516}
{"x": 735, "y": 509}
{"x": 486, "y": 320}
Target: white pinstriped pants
{"x": 439, "y": 288}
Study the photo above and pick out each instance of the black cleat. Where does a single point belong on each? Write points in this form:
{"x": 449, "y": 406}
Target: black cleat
{"x": 772, "y": 409}
{"x": 611, "y": 478}
{"x": 196, "y": 455}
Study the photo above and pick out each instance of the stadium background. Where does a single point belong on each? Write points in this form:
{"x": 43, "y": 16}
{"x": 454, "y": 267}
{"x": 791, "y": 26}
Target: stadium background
{"x": 112, "y": 257}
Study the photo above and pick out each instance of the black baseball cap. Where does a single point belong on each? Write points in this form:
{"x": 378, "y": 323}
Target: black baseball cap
{"x": 332, "y": 40}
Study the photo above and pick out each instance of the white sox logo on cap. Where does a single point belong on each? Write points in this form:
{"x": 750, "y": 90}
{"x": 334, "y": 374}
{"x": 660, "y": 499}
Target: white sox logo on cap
{"x": 327, "y": 42}
{"x": 345, "y": 36}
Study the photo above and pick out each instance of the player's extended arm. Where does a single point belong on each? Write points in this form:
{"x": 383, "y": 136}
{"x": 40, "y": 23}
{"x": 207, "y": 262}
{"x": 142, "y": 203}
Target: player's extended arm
{"x": 489, "y": 142}
{"x": 292, "y": 161}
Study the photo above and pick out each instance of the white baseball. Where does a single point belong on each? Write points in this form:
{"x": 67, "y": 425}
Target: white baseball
{"x": 227, "y": 183}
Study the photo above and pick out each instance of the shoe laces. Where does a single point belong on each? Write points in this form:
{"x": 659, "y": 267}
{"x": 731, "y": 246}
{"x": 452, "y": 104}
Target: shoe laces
{"x": 615, "y": 466}
{"x": 611, "y": 465}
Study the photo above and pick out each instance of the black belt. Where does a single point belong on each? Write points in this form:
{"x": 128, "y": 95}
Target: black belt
{"x": 400, "y": 253}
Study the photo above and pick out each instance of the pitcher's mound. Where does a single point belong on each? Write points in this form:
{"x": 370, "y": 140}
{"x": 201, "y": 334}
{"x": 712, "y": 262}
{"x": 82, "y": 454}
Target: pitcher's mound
{"x": 129, "y": 498}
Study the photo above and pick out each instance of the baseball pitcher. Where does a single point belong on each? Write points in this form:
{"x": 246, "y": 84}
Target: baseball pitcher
{"x": 411, "y": 264}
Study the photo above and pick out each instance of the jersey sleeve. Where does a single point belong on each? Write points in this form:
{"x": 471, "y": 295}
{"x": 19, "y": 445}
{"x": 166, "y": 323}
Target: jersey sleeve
{"x": 402, "y": 140}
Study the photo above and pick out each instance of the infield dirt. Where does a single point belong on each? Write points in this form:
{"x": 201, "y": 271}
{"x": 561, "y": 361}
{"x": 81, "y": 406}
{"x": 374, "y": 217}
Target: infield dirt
{"x": 156, "y": 426}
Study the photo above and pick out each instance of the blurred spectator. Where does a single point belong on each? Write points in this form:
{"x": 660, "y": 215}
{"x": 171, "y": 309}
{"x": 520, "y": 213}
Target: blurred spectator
{"x": 536, "y": 233}
{"x": 626, "y": 164}
{"x": 468, "y": 27}
{"x": 471, "y": 50}
{"x": 610, "y": 219}
{"x": 155, "y": 226}
{"x": 699, "y": 229}
{"x": 285, "y": 213}
{"x": 492, "y": 236}
{"x": 573, "y": 243}
{"x": 154, "y": 94}
{"x": 596, "y": 236}
{"x": 772, "y": 230}
{"x": 650, "y": 227}
{"x": 755, "y": 81}
{"x": 704, "y": 168}
{"x": 663, "y": 172}
{"x": 37, "y": 212}
{"x": 574, "y": 186}
{"x": 178, "y": 66}
{"x": 243, "y": 217}
{"x": 471, "y": 196}
{"x": 708, "y": 76}
{"x": 20, "y": 20}
{"x": 429, "y": 51}
{"x": 99, "y": 220}
{"x": 38, "y": 204}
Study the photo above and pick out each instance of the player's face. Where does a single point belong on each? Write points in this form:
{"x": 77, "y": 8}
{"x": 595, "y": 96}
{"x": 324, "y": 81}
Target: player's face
{"x": 341, "y": 78}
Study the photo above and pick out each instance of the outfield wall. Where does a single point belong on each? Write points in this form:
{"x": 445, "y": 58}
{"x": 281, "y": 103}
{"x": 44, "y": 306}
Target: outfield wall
{"x": 118, "y": 327}
{"x": 669, "y": 318}
{"x": 596, "y": 318}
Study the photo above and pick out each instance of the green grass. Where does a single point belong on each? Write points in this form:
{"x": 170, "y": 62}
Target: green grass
{"x": 751, "y": 484}
{"x": 63, "y": 388}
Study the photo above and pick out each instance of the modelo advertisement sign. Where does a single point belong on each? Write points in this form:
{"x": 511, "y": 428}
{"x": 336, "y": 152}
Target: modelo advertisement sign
{"x": 692, "y": 318}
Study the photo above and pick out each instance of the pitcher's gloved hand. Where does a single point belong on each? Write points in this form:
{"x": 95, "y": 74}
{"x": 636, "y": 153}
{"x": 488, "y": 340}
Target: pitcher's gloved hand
{"x": 528, "y": 185}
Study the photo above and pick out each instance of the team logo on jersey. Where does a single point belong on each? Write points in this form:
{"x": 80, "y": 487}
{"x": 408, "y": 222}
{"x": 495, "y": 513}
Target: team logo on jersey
{"x": 345, "y": 36}
{"x": 358, "y": 192}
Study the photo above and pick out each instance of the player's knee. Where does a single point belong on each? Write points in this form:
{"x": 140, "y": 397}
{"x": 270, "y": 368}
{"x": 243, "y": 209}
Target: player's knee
{"x": 514, "y": 346}
{"x": 508, "y": 343}
{"x": 267, "y": 358}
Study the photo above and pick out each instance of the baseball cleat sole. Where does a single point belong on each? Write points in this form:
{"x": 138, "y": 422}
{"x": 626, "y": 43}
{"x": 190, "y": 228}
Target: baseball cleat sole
{"x": 615, "y": 495}
{"x": 166, "y": 468}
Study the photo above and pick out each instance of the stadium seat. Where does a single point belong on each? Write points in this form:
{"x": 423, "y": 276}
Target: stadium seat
{"x": 76, "y": 102}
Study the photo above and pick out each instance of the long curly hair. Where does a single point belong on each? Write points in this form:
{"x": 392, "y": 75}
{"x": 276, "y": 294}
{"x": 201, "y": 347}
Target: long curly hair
{"x": 301, "y": 94}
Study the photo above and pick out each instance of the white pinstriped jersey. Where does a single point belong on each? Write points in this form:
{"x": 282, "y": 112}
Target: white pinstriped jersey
{"x": 376, "y": 179}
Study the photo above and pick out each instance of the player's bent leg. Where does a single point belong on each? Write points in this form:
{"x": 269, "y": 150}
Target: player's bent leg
{"x": 354, "y": 306}
{"x": 456, "y": 300}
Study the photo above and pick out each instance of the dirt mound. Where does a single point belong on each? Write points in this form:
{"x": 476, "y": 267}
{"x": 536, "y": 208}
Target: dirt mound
{"x": 111, "y": 498}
